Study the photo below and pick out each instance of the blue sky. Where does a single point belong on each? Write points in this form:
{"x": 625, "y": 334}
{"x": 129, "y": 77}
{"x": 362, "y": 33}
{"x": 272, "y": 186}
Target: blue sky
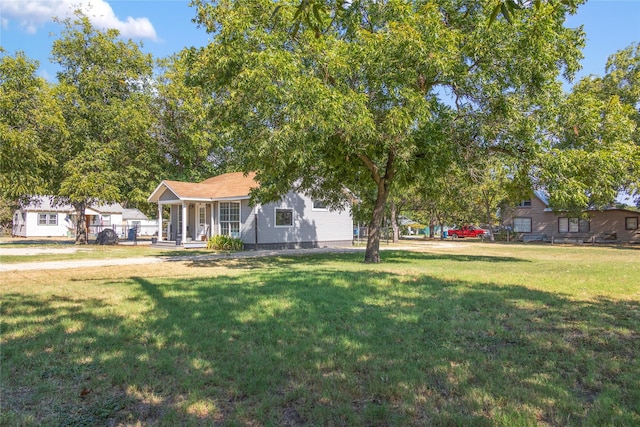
{"x": 164, "y": 26}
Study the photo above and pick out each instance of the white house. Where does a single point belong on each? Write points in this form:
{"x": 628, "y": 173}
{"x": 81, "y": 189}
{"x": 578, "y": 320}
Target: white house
{"x": 220, "y": 205}
{"x": 43, "y": 218}
{"x": 135, "y": 219}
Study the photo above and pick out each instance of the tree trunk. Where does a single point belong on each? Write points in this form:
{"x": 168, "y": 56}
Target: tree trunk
{"x": 81, "y": 225}
{"x": 383, "y": 182}
{"x": 372, "y": 253}
{"x": 394, "y": 223}
{"x": 432, "y": 226}
{"x": 489, "y": 221}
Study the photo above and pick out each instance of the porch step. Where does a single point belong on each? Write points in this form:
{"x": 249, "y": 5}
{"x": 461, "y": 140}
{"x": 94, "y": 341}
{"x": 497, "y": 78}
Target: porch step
{"x": 194, "y": 245}
{"x": 184, "y": 245}
{"x": 165, "y": 244}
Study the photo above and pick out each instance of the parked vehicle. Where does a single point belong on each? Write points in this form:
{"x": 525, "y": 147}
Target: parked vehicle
{"x": 466, "y": 231}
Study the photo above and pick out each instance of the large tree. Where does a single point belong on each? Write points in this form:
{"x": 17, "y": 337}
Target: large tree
{"x": 31, "y": 126}
{"x": 362, "y": 95}
{"x": 109, "y": 155}
{"x": 595, "y": 151}
{"x": 183, "y": 125}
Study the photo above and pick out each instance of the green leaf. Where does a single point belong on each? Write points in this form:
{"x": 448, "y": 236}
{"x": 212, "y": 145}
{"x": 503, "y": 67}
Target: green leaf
{"x": 505, "y": 13}
{"x": 316, "y": 13}
{"x": 276, "y": 10}
{"x": 494, "y": 13}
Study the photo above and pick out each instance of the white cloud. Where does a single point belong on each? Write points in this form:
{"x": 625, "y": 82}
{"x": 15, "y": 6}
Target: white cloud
{"x": 33, "y": 14}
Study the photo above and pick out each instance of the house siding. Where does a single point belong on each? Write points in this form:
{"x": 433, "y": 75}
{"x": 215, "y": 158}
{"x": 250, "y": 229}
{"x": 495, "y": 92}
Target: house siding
{"x": 168, "y": 195}
{"x": 311, "y": 228}
{"x": 541, "y": 221}
{"x": 30, "y": 227}
{"x": 608, "y": 223}
{"x": 247, "y": 226}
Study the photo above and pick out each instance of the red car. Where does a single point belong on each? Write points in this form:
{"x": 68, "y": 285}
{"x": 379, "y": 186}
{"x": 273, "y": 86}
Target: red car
{"x": 466, "y": 231}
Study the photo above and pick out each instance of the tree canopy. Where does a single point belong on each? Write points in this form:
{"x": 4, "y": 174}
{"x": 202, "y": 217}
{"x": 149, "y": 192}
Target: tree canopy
{"x": 183, "y": 127}
{"x": 31, "y": 126}
{"x": 594, "y": 152}
{"x": 371, "y": 95}
{"x": 109, "y": 154}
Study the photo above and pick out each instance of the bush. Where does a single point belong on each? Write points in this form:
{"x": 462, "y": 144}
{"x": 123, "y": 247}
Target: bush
{"x": 225, "y": 243}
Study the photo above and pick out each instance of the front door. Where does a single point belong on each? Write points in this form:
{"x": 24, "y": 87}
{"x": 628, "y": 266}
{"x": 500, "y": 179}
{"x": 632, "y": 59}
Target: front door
{"x": 202, "y": 226}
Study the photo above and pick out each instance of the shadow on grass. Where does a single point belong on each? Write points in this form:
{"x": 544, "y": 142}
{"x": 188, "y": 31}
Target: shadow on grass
{"x": 248, "y": 261}
{"x": 319, "y": 347}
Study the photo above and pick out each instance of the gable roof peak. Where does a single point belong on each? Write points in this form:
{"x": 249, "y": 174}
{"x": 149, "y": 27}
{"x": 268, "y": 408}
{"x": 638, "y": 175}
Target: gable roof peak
{"x": 544, "y": 198}
{"x": 225, "y": 186}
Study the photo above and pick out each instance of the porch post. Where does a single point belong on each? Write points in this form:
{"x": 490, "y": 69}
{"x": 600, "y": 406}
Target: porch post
{"x": 213, "y": 216}
{"x": 185, "y": 218}
{"x": 159, "y": 222}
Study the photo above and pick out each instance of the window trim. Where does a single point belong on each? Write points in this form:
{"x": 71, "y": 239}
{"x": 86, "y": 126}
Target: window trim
{"x": 523, "y": 218}
{"x": 202, "y": 214}
{"x": 275, "y": 217}
{"x": 626, "y": 223}
{"x": 239, "y": 221}
{"x": 324, "y": 207}
{"x": 579, "y": 224}
{"x": 50, "y": 219}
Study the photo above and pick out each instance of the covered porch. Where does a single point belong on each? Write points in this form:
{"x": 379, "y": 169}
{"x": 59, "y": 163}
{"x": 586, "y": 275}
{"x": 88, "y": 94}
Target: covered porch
{"x": 190, "y": 224}
{"x": 192, "y": 213}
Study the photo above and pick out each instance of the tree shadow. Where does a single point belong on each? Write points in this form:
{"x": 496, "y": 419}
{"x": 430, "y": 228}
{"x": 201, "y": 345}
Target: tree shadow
{"x": 390, "y": 257}
{"x": 320, "y": 347}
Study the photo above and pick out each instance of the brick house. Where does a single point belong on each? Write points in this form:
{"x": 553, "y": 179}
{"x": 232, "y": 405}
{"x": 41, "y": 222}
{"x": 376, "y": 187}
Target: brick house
{"x": 535, "y": 220}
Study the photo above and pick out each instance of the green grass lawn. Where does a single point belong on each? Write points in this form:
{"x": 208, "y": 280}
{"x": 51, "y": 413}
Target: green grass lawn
{"x": 468, "y": 334}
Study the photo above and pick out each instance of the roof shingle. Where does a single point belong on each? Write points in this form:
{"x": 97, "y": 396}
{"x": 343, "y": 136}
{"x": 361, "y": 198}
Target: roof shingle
{"x": 225, "y": 186}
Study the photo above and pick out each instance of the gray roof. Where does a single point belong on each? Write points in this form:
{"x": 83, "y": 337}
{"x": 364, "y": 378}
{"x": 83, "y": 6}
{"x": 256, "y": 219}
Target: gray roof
{"x": 542, "y": 196}
{"x": 107, "y": 208}
{"x": 407, "y": 222}
{"x": 133, "y": 214}
{"x": 47, "y": 203}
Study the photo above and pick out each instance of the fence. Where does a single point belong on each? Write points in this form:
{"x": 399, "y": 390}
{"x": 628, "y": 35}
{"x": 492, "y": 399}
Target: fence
{"x": 126, "y": 232}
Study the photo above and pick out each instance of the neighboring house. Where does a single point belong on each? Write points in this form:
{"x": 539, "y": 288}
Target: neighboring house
{"x": 412, "y": 227}
{"x": 42, "y": 218}
{"x": 100, "y": 217}
{"x": 134, "y": 219}
{"x": 534, "y": 219}
{"x": 220, "y": 205}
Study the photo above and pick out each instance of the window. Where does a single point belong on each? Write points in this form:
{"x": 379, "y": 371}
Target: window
{"x": 284, "y": 217}
{"x": 230, "y": 219}
{"x": 522, "y": 225}
{"x": 106, "y": 220}
{"x": 47, "y": 219}
{"x": 319, "y": 206}
{"x": 525, "y": 204}
{"x": 631, "y": 223}
{"x": 202, "y": 215}
{"x": 573, "y": 225}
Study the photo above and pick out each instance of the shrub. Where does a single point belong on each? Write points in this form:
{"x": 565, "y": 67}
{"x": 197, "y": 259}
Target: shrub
{"x": 225, "y": 243}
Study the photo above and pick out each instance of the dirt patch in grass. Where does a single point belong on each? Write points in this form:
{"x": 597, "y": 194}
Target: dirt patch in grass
{"x": 15, "y": 250}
